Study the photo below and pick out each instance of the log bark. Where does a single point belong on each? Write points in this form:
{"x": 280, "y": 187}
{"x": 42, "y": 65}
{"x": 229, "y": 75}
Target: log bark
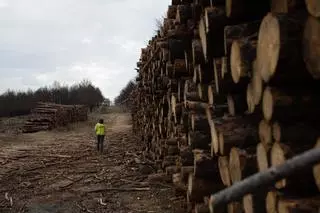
{"x": 184, "y": 173}
{"x": 246, "y": 9}
{"x": 197, "y": 54}
{"x": 223, "y": 163}
{"x": 199, "y": 140}
{"x": 199, "y": 123}
{"x": 251, "y": 184}
{"x": 311, "y": 47}
{"x": 234, "y": 207}
{"x": 287, "y": 6}
{"x": 263, "y": 157}
{"x": 235, "y": 131}
{"x": 198, "y": 188}
{"x": 295, "y": 133}
{"x": 180, "y": 68}
{"x": 313, "y": 7}
{"x": 203, "y": 92}
{"x": 206, "y": 167}
{"x": 184, "y": 12}
{"x": 186, "y": 156}
{"x": 265, "y": 133}
{"x": 171, "y": 12}
{"x": 235, "y": 32}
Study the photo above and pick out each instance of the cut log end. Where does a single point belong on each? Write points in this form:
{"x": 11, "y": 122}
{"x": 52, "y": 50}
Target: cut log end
{"x": 265, "y": 133}
{"x": 278, "y": 158}
{"x": 247, "y": 202}
{"x": 267, "y": 104}
{"x": 271, "y": 202}
{"x": 235, "y": 60}
{"x": 313, "y": 7}
{"x": 231, "y": 106}
{"x": 214, "y": 139}
{"x": 235, "y": 165}
{"x": 210, "y": 95}
{"x": 262, "y": 157}
{"x": 276, "y": 132}
{"x": 316, "y": 168}
{"x": 250, "y": 99}
{"x": 221, "y": 143}
{"x": 234, "y": 207}
{"x": 268, "y": 49}
{"x": 256, "y": 86}
{"x": 223, "y": 164}
{"x": 190, "y": 182}
{"x": 311, "y": 47}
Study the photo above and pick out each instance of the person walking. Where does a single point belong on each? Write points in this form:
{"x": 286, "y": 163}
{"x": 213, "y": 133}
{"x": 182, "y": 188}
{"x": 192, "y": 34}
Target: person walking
{"x": 100, "y": 132}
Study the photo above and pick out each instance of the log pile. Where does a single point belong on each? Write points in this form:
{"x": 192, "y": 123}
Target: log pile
{"x": 228, "y": 88}
{"x": 47, "y": 116}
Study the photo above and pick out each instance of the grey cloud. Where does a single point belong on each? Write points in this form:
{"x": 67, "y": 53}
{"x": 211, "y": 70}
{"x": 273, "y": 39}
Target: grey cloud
{"x": 43, "y": 40}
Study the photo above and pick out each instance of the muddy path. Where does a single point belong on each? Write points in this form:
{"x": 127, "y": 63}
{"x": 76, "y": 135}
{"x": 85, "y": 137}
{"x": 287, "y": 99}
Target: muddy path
{"x": 61, "y": 171}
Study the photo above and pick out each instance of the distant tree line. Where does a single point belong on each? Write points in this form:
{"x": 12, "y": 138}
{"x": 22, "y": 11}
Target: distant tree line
{"x": 20, "y": 103}
{"x": 125, "y": 93}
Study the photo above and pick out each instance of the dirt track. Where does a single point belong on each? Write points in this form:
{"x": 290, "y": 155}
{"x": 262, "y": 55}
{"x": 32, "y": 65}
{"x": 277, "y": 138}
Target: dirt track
{"x": 61, "y": 171}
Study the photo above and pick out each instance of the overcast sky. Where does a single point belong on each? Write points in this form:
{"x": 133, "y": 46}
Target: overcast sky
{"x": 69, "y": 40}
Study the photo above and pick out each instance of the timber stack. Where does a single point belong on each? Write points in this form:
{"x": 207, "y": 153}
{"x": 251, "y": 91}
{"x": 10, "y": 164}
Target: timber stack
{"x": 228, "y": 88}
{"x": 47, "y": 116}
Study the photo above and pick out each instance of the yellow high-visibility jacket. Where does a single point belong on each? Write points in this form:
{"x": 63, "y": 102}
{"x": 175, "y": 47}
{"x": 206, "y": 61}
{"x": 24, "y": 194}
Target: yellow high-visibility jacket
{"x": 100, "y": 129}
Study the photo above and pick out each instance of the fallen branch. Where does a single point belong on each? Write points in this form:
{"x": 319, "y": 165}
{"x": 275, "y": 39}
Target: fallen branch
{"x": 119, "y": 189}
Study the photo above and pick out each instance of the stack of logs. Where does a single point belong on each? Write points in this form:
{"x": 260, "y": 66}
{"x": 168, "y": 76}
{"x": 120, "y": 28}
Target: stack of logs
{"x": 228, "y": 88}
{"x": 47, "y": 116}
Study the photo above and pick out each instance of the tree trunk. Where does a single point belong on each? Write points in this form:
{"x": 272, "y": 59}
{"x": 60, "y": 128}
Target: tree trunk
{"x": 263, "y": 157}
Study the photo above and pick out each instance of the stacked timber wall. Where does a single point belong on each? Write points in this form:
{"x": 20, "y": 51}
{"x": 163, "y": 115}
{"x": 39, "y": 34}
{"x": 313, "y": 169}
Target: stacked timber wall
{"x": 228, "y": 88}
{"x": 47, "y": 116}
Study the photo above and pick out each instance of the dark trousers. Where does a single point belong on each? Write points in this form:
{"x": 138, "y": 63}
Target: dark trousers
{"x": 100, "y": 139}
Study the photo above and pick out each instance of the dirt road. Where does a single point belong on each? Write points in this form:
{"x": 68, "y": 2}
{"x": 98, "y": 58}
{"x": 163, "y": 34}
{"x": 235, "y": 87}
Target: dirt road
{"x": 61, "y": 171}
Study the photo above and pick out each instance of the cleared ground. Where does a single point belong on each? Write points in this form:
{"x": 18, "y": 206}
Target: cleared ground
{"x": 61, "y": 171}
